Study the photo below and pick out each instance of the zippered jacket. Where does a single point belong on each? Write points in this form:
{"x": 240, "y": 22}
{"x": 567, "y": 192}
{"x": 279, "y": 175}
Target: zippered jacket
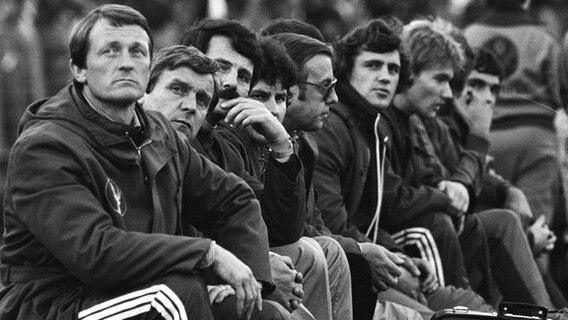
{"x": 115, "y": 207}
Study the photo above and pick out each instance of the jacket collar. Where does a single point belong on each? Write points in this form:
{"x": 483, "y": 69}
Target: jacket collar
{"x": 359, "y": 105}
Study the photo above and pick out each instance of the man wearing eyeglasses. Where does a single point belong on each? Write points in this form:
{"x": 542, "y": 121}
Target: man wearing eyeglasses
{"x": 311, "y": 98}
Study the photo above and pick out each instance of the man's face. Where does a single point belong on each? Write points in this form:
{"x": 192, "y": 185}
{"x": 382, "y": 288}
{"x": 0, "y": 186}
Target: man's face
{"x": 117, "y": 64}
{"x": 429, "y": 90}
{"x": 310, "y": 112}
{"x": 235, "y": 71}
{"x": 183, "y": 96}
{"x": 485, "y": 86}
{"x": 375, "y": 76}
{"x": 272, "y": 96}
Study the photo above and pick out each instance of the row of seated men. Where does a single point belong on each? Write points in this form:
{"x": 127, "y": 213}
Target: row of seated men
{"x": 263, "y": 175}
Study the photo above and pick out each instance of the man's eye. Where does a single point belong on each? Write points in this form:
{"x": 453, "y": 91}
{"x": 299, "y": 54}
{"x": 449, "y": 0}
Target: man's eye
{"x": 139, "y": 51}
{"x": 372, "y": 65}
{"x": 203, "y": 103}
{"x": 245, "y": 78}
{"x": 223, "y": 68}
{"x": 256, "y": 96}
{"x": 394, "y": 69}
{"x": 110, "y": 51}
{"x": 178, "y": 90}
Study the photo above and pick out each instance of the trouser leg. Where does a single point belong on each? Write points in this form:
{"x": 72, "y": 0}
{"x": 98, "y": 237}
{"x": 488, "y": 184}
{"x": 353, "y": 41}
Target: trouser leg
{"x": 339, "y": 278}
{"x": 310, "y": 261}
{"x": 177, "y": 296}
{"x": 364, "y": 296}
{"x": 515, "y": 269}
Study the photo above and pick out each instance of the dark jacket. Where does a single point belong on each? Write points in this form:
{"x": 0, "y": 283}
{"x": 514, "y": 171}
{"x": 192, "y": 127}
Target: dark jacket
{"x": 114, "y": 206}
{"x": 342, "y": 170}
{"x": 278, "y": 186}
{"x": 494, "y": 190}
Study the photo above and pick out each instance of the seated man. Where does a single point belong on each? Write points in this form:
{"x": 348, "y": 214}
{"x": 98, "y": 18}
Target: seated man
{"x": 438, "y": 162}
{"x": 370, "y": 63}
{"x": 181, "y": 87}
{"x": 468, "y": 117}
{"x": 235, "y": 48}
{"x": 104, "y": 201}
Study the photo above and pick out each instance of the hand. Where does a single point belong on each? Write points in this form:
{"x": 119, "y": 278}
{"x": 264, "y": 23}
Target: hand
{"x": 457, "y": 192}
{"x": 543, "y": 238}
{"x": 218, "y": 293}
{"x": 289, "y": 291}
{"x": 245, "y": 112}
{"x": 385, "y": 268}
{"x": 517, "y": 201}
{"x": 410, "y": 285}
{"x": 477, "y": 112}
{"x": 429, "y": 281}
{"x": 239, "y": 276}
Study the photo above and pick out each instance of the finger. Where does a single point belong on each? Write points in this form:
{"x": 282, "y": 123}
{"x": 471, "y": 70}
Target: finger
{"x": 381, "y": 285}
{"x": 213, "y": 294}
{"x": 259, "y": 299}
{"x": 288, "y": 262}
{"x": 389, "y": 279}
{"x": 232, "y": 102}
{"x": 223, "y": 294}
{"x": 299, "y": 277}
{"x": 394, "y": 258}
{"x": 250, "y": 298}
{"x": 298, "y": 292}
{"x": 411, "y": 267}
{"x": 294, "y": 304}
{"x": 240, "y": 292}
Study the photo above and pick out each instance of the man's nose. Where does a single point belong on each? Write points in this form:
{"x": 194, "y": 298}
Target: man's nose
{"x": 189, "y": 104}
{"x": 125, "y": 60}
{"x": 229, "y": 79}
{"x": 447, "y": 91}
{"x": 332, "y": 97}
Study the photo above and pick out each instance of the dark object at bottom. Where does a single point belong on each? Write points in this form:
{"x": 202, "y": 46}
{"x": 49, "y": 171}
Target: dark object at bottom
{"x": 512, "y": 311}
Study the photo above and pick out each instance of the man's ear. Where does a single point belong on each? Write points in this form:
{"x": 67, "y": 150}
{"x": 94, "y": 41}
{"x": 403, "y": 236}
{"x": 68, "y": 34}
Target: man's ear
{"x": 79, "y": 74}
{"x": 294, "y": 92}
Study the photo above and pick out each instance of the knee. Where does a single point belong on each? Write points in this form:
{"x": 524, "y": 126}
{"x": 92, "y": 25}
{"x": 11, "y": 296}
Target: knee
{"x": 333, "y": 252}
{"x": 274, "y": 311}
{"x": 192, "y": 293}
{"x": 311, "y": 251}
{"x": 443, "y": 227}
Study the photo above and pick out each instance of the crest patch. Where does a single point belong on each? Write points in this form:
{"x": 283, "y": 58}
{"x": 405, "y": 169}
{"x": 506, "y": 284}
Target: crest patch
{"x": 115, "y": 198}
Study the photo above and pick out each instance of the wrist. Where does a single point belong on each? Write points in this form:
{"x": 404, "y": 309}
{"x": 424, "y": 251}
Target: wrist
{"x": 209, "y": 258}
{"x": 283, "y": 152}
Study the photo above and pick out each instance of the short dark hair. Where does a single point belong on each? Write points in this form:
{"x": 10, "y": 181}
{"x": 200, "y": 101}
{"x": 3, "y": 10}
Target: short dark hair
{"x": 302, "y": 48}
{"x": 486, "y": 62}
{"x": 243, "y": 40}
{"x": 275, "y": 65}
{"x": 174, "y": 57}
{"x": 284, "y": 25}
{"x": 116, "y": 15}
{"x": 376, "y": 36}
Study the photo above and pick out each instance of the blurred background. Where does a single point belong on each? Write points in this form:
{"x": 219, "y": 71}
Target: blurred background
{"x": 34, "y": 37}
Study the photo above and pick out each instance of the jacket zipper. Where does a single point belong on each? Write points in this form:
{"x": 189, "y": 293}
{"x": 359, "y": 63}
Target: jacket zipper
{"x": 139, "y": 150}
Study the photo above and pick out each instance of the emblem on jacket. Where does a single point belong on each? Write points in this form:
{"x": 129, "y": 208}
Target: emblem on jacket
{"x": 115, "y": 198}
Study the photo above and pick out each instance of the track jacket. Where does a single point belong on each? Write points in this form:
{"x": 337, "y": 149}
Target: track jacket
{"x": 113, "y": 207}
